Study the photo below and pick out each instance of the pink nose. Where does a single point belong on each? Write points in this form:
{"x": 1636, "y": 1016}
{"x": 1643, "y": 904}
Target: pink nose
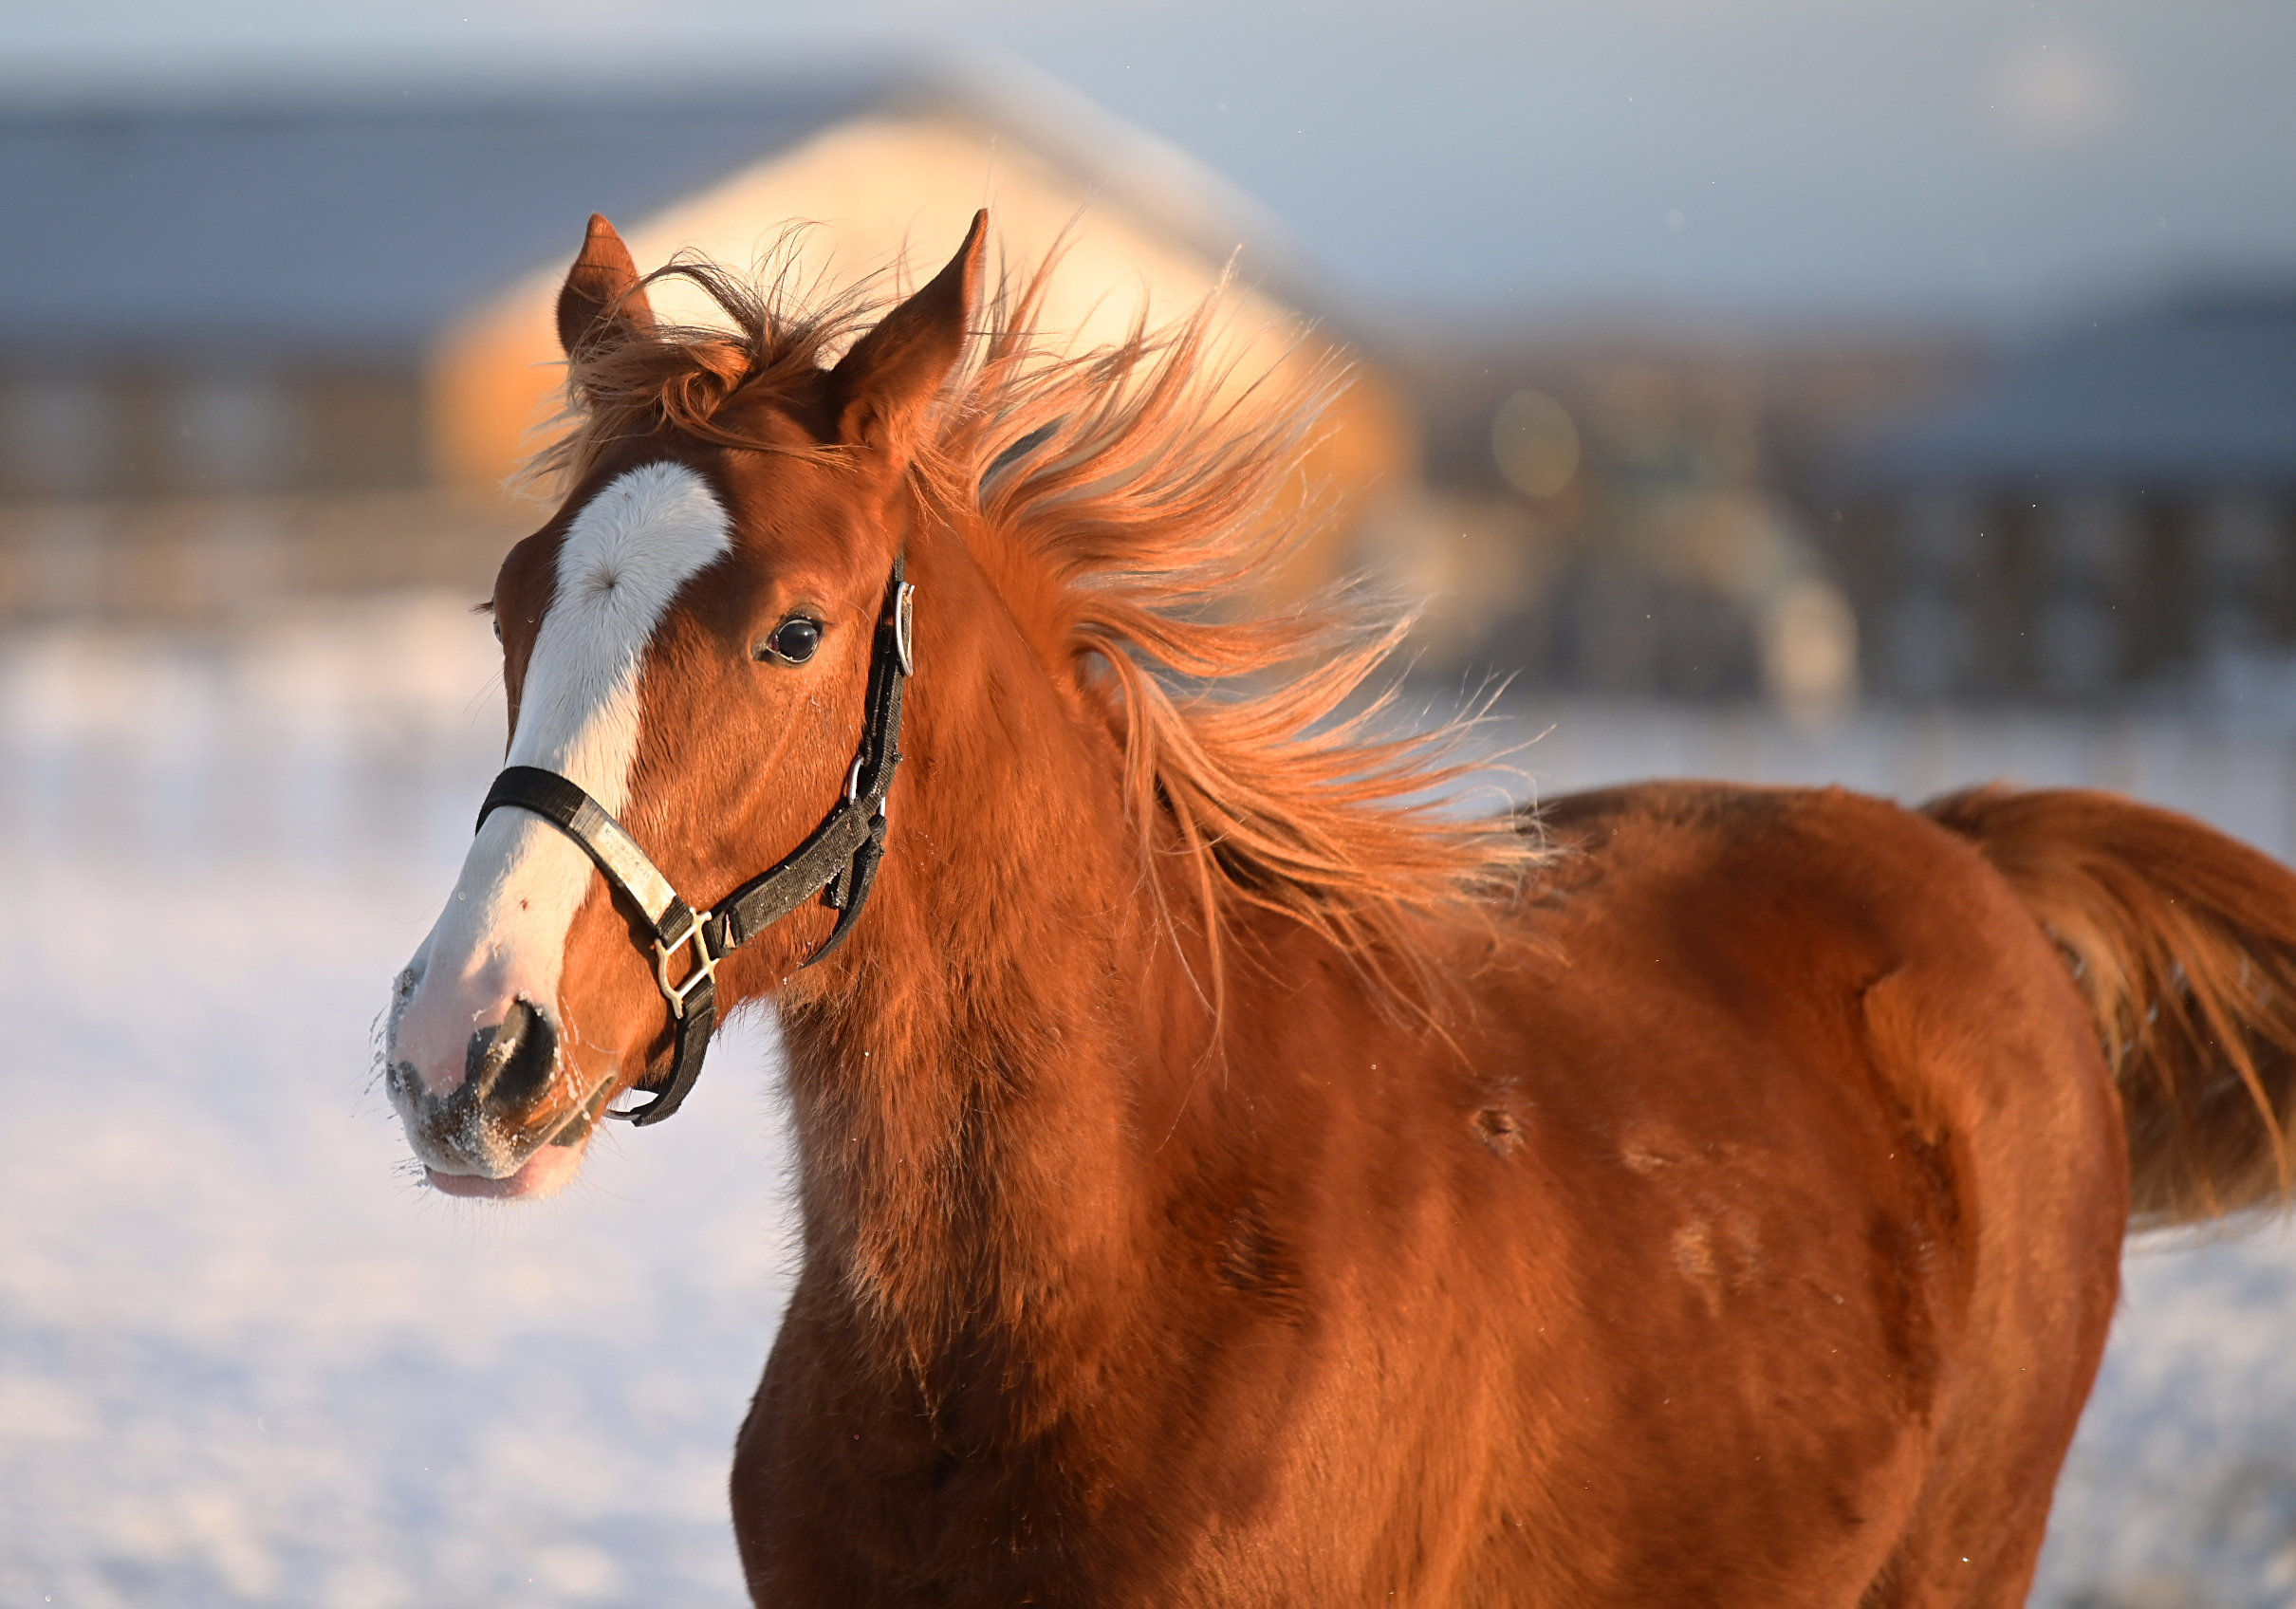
{"x": 508, "y": 1056}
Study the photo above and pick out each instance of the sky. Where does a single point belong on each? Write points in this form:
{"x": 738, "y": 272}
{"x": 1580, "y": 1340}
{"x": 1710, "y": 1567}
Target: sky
{"x": 1986, "y": 160}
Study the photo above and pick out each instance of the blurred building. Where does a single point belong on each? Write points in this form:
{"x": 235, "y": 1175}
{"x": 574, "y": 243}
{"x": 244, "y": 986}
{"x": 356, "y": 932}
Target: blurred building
{"x": 2114, "y": 509}
{"x": 256, "y": 351}
{"x": 1617, "y": 509}
{"x": 261, "y": 351}
{"x": 1808, "y": 516}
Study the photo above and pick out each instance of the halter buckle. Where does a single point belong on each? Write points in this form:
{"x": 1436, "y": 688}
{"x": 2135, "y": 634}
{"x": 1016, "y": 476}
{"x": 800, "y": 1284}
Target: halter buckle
{"x": 705, "y": 964}
{"x": 904, "y": 617}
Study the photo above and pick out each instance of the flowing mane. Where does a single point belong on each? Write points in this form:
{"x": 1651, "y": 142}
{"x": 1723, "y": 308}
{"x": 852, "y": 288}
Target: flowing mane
{"x": 1129, "y": 500}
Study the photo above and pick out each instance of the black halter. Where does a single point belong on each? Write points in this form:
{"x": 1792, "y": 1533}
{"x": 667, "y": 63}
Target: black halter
{"x": 840, "y": 857}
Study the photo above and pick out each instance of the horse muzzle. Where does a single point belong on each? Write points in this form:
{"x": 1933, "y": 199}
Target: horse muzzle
{"x": 513, "y": 1120}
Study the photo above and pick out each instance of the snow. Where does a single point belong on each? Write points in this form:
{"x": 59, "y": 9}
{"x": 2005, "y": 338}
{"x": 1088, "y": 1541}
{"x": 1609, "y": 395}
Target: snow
{"x": 246, "y": 1357}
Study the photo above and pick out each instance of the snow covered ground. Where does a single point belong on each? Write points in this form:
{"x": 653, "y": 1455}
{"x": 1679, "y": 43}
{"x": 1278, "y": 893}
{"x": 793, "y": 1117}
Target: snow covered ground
{"x": 246, "y": 1358}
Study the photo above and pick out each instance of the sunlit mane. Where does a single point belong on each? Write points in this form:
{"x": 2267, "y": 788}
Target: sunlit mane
{"x": 1129, "y": 513}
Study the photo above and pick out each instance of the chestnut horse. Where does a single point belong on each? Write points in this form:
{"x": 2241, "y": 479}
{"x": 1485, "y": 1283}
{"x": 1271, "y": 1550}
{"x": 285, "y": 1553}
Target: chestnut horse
{"x": 1226, "y": 1178}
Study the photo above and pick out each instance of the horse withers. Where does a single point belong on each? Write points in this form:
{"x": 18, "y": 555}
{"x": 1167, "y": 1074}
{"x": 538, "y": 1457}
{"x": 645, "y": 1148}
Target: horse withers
{"x": 1227, "y": 1179}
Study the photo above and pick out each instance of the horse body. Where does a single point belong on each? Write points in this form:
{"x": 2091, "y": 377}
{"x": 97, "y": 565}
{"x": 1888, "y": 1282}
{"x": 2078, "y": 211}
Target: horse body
{"x": 1690, "y": 1273}
{"x": 1221, "y": 1180}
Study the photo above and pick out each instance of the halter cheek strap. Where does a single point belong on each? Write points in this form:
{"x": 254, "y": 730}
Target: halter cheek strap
{"x": 837, "y": 860}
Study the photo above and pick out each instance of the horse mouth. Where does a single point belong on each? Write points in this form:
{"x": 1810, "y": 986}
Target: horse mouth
{"x": 499, "y": 1137}
{"x": 467, "y": 1148}
{"x": 545, "y": 1173}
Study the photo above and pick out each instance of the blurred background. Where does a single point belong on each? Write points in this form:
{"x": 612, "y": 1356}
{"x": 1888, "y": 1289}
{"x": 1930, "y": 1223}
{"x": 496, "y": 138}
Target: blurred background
{"x": 1899, "y": 393}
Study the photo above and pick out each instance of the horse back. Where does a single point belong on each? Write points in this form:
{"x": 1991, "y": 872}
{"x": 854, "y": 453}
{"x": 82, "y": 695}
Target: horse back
{"x": 1745, "y": 1236}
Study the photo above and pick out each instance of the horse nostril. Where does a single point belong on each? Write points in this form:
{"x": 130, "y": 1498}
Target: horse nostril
{"x": 512, "y": 1062}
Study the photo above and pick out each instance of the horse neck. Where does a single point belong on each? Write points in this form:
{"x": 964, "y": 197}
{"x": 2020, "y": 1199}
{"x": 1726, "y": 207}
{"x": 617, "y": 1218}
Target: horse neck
{"x": 972, "y": 1076}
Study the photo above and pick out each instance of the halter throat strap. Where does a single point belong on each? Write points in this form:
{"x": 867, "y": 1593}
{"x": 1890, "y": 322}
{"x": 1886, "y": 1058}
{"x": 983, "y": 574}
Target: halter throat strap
{"x": 837, "y": 860}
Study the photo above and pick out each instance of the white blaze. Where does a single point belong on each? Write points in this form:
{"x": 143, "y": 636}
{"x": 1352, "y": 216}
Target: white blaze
{"x": 502, "y": 936}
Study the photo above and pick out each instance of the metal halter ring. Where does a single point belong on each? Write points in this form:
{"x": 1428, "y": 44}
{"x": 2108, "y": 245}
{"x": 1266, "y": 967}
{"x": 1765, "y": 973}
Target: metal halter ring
{"x": 705, "y": 964}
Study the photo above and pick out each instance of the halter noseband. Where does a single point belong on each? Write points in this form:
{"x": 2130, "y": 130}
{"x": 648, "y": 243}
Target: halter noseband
{"x": 840, "y": 857}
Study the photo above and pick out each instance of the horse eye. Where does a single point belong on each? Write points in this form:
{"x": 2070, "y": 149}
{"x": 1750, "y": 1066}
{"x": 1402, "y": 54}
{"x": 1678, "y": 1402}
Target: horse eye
{"x": 795, "y": 640}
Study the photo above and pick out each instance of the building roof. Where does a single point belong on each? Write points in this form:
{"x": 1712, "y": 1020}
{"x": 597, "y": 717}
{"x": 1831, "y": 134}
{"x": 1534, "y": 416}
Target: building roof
{"x": 263, "y": 229}
{"x": 2197, "y": 393}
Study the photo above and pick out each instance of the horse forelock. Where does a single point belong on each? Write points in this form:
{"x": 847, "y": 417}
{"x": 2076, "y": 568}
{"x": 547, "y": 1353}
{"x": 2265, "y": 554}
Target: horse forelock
{"x": 704, "y": 380}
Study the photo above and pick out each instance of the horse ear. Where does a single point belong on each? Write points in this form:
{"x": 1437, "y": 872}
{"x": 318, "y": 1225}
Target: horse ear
{"x": 601, "y": 298}
{"x": 881, "y": 387}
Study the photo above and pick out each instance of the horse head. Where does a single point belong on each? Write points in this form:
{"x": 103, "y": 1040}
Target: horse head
{"x": 697, "y": 649}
